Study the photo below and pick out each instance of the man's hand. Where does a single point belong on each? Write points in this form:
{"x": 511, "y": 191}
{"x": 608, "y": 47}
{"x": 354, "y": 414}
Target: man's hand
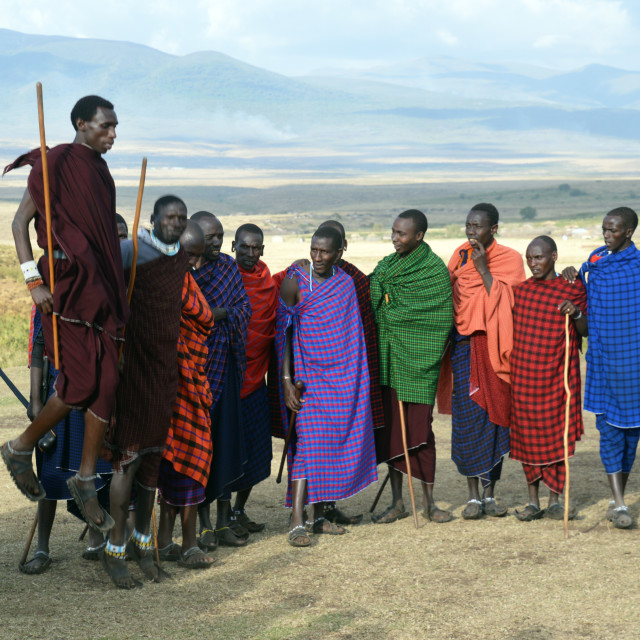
{"x": 43, "y": 299}
{"x": 219, "y": 313}
{"x": 567, "y": 308}
{"x": 570, "y": 274}
{"x": 479, "y": 256}
{"x": 303, "y": 263}
{"x": 293, "y": 403}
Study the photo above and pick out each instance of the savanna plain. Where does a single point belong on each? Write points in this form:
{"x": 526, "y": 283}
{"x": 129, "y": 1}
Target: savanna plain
{"x": 493, "y": 578}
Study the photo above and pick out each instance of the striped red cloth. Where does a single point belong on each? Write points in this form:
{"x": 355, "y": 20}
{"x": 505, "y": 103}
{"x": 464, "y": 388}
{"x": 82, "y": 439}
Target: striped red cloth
{"x": 188, "y": 446}
{"x": 263, "y": 295}
{"x": 537, "y": 371}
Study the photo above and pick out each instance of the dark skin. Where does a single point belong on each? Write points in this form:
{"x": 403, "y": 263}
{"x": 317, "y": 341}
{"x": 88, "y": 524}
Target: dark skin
{"x": 617, "y": 237}
{"x": 405, "y": 236}
{"x": 541, "y": 261}
{"x": 213, "y": 237}
{"x": 98, "y": 134}
{"x": 168, "y": 226}
{"x": 123, "y": 232}
{"x": 324, "y": 255}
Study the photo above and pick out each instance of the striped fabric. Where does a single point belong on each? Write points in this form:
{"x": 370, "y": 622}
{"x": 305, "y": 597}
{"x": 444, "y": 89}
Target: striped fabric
{"x": 221, "y": 284}
{"x": 477, "y": 444}
{"x": 177, "y": 489}
{"x": 188, "y": 447}
{"x": 334, "y": 450}
{"x": 618, "y": 447}
{"x": 537, "y": 371}
{"x": 612, "y": 384}
{"x": 414, "y": 325}
{"x": 553, "y": 475}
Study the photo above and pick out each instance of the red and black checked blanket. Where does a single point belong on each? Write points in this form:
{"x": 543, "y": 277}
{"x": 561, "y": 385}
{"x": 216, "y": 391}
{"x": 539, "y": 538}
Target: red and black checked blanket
{"x": 188, "y": 446}
{"x": 537, "y": 371}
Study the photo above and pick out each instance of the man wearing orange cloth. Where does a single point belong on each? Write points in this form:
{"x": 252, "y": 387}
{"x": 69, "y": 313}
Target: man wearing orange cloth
{"x": 263, "y": 291}
{"x": 484, "y": 275}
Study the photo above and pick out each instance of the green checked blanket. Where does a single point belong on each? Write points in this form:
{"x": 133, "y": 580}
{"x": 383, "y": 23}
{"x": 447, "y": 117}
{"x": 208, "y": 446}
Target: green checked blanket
{"x": 414, "y": 325}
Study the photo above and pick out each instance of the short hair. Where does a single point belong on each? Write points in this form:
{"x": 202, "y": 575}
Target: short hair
{"x": 86, "y": 108}
{"x": 331, "y": 233}
{"x": 249, "y": 228}
{"x": 419, "y": 219}
{"x": 336, "y": 225}
{"x": 628, "y": 215}
{"x": 121, "y": 220}
{"x": 492, "y": 213}
{"x": 199, "y": 215}
{"x": 550, "y": 242}
{"x": 192, "y": 233}
{"x": 165, "y": 201}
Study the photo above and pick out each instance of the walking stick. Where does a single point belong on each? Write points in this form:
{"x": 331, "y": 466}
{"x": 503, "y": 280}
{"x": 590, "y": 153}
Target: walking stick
{"x": 47, "y": 214}
{"x": 408, "y": 461}
{"x": 14, "y": 389}
{"x": 567, "y": 410}
{"x": 134, "y": 258}
{"x": 155, "y": 529}
{"x": 84, "y": 533}
{"x": 380, "y": 490}
{"x": 27, "y": 546}
{"x": 287, "y": 440}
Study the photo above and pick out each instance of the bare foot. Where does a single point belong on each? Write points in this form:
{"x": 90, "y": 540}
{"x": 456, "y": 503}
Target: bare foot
{"x": 147, "y": 562}
{"x": 117, "y": 570}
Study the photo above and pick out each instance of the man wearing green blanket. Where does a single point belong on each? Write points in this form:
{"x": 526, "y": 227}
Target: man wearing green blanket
{"x": 411, "y": 299}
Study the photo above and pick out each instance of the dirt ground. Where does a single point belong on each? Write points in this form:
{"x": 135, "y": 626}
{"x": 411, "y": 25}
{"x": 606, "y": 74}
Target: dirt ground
{"x": 494, "y": 578}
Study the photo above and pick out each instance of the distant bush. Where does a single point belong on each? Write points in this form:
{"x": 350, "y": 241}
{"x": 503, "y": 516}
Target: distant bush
{"x": 564, "y": 187}
{"x": 528, "y": 213}
{"x": 577, "y": 192}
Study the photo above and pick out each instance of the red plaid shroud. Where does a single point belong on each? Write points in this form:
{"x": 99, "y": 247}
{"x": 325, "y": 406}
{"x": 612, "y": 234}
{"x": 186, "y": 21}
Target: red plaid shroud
{"x": 537, "y": 371}
{"x": 188, "y": 446}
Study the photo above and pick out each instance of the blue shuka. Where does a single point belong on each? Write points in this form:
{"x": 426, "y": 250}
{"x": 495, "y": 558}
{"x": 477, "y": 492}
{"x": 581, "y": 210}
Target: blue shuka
{"x": 612, "y": 385}
{"x": 334, "y": 448}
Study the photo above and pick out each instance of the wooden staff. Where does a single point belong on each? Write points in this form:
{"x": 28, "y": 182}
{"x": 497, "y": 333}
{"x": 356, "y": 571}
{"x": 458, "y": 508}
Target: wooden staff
{"x": 47, "y": 215}
{"x": 380, "y": 490}
{"x": 407, "y": 459}
{"x": 567, "y": 411}
{"x": 292, "y": 421}
{"x": 155, "y": 529}
{"x": 27, "y": 546}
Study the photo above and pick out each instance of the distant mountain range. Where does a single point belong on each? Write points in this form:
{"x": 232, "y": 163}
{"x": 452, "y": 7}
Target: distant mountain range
{"x": 190, "y": 110}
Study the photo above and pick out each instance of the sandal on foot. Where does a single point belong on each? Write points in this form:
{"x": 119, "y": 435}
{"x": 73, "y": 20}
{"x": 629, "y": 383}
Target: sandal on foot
{"x": 298, "y": 537}
{"x": 435, "y": 514}
{"x": 529, "y": 513}
{"x": 473, "y": 510}
{"x": 320, "y": 526}
{"x": 195, "y": 558}
{"x": 389, "y": 515}
{"x": 38, "y": 564}
{"x": 611, "y": 510}
{"x": 556, "y": 512}
{"x": 17, "y": 466}
{"x": 227, "y": 538}
{"x": 622, "y": 518}
{"x": 491, "y": 508}
{"x": 146, "y": 558}
{"x": 82, "y": 496}
{"x": 93, "y": 553}
{"x": 239, "y": 516}
{"x": 207, "y": 540}
{"x": 238, "y": 529}
{"x": 170, "y": 553}
{"x": 339, "y": 517}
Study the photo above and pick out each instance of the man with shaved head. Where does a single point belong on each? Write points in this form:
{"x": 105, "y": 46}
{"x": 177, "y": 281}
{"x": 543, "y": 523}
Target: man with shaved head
{"x": 538, "y": 396}
{"x": 612, "y": 388}
{"x": 221, "y": 283}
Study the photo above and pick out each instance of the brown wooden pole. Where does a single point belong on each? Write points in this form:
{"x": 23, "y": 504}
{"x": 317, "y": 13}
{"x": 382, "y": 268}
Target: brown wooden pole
{"x": 379, "y": 494}
{"x": 27, "y": 546}
{"x": 47, "y": 214}
{"x": 567, "y": 412}
{"x": 292, "y": 421}
{"x": 155, "y": 529}
{"x": 407, "y": 459}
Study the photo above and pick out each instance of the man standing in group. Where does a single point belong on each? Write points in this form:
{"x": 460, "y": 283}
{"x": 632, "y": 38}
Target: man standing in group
{"x": 538, "y": 396}
{"x": 147, "y": 391}
{"x": 612, "y": 387}
{"x": 256, "y": 422}
{"x": 320, "y": 342}
{"x": 411, "y": 298}
{"x": 484, "y": 275}
{"x": 89, "y": 299}
{"x": 221, "y": 283}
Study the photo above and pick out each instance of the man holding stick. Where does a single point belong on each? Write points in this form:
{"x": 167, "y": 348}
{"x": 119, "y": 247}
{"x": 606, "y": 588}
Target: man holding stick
{"x": 411, "y": 298}
{"x": 538, "y": 396}
{"x": 320, "y": 342}
{"x": 612, "y": 388}
{"x": 89, "y": 299}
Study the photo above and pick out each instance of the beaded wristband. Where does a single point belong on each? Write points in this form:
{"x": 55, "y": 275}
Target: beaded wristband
{"x": 30, "y": 270}
{"x": 32, "y": 284}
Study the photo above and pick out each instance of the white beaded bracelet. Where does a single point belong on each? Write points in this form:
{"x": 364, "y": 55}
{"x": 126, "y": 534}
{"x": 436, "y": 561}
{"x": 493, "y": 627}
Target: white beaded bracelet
{"x": 30, "y": 270}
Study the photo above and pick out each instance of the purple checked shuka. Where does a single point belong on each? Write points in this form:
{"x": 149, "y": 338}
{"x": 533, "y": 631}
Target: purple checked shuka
{"x": 334, "y": 447}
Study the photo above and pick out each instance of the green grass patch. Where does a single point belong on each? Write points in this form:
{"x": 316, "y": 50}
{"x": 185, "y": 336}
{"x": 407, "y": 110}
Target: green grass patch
{"x": 14, "y": 340}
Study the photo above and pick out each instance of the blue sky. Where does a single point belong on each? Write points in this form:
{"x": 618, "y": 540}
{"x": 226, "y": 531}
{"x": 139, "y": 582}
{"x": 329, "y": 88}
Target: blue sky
{"x": 299, "y": 36}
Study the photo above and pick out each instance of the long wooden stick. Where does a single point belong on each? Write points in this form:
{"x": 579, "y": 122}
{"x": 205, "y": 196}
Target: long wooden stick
{"x": 155, "y": 530}
{"x": 567, "y": 411}
{"x": 287, "y": 440}
{"x": 407, "y": 459}
{"x": 47, "y": 214}
{"x": 27, "y": 546}
{"x": 380, "y": 490}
